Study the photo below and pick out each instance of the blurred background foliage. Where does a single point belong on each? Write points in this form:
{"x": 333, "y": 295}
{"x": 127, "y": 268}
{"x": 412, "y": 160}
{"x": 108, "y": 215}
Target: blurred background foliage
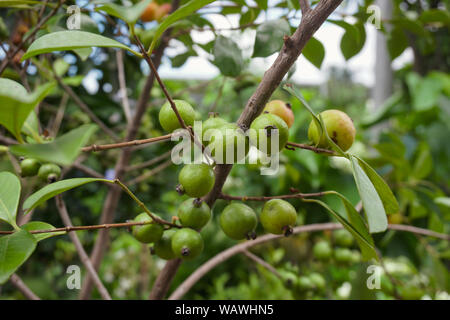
{"x": 405, "y": 140}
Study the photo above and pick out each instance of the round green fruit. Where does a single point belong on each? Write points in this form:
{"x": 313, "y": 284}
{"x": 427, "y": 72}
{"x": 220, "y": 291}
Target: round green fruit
{"x": 49, "y": 172}
{"x": 196, "y": 179}
{"x": 238, "y": 221}
{"x": 411, "y": 292}
{"x": 304, "y": 283}
{"x": 322, "y": 250}
{"x": 262, "y": 129}
{"x": 343, "y": 255}
{"x": 212, "y": 123}
{"x": 187, "y": 243}
{"x": 343, "y": 238}
{"x": 168, "y": 119}
{"x": 29, "y": 167}
{"x": 281, "y": 109}
{"x": 228, "y": 144}
{"x": 318, "y": 280}
{"x": 194, "y": 213}
{"x": 340, "y": 129}
{"x": 278, "y": 216}
{"x": 147, "y": 233}
{"x": 163, "y": 247}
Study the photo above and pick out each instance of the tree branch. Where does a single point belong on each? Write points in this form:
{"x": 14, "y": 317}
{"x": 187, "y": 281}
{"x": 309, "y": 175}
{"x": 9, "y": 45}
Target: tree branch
{"x": 23, "y": 288}
{"x": 266, "y": 198}
{"x": 83, "y": 255}
{"x": 260, "y": 261}
{"x": 225, "y": 255}
{"x": 95, "y": 147}
{"x": 164, "y": 279}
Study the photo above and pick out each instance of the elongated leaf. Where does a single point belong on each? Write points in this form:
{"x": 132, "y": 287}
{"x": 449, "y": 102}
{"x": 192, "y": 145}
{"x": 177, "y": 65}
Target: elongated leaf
{"x": 182, "y": 12}
{"x": 129, "y": 14}
{"x": 39, "y": 225}
{"x": 9, "y": 197}
{"x": 16, "y": 104}
{"x": 17, "y": 3}
{"x": 15, "y": 249}
{"x": 53, "y": 189}
{"x": 314, "y": 51}
{"x": 269, "y": 37}
{"x": 70, "y": 40}
{"x": 63, "y": 150}
{"x": 373, "y": 206}
{"x": 366, "y": 246}
{"x": 387, "y": 197}
{"x": 356, "y": 220}
{"x": 228, "y": 57}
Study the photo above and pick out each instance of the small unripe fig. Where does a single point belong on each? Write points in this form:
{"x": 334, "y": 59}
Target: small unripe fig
{"x": 263, "y": 127}
{"x": 187, "y": 243}
{"x": 29, "y": 167}
{"x": 49, "y": 172}
{"x": 196, "y": 179}
{"x": 163, "y": 247}
{"x": 147, "y": 233}
{"x": 149, "y": 12}
{"x": 322, "y": 250}
{"x": 212, "y": 123}
{"x": 278, "y": 216}
{"x": 238, "y": 221}
{"x": 168, "y": 119}
{"x": 340, "y": 129}
{"x": 228, "y": 144}
{"x": 343, "y": 238}
{"x": 281, "y": 109}
{"x": 318, "y": 280}
{"x": 194, "y": 213}
{"x": 304, "y": 283}
{"x": 343, "y": 255}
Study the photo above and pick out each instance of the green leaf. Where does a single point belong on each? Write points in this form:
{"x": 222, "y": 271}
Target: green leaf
{"x": 444, "y": 201}
{"x": 314, "y": 51}
{"x": 15, "y": 249}
{"x": 353, "y": 39}
{"x": 70, "y": 40}
{"x": 53, "y": 189}
{"x": 365, "y": 244}
{"x": 17, "y": 3}
{"x": 129, "y": 14}
{"x": 397, "y": 42}
{"x": 31, "y": 126}
{"x": 435, "y": 15}
{"x": 390, "y": 203}
{"x": 269, "y": 37}
{"x": 39, "y": 225}
{"x": 425, "y": 92}
{"x": 83, "y": 53}
{"x": 373, "y": 206}
{"x": 63, "y": 150}
{"x": 182, "y": 12}
{"x": 9, "y": 197}
{"x": 16, "y": 104}
{"x": 228, "y": 57}
{"x": 423, "y": 164}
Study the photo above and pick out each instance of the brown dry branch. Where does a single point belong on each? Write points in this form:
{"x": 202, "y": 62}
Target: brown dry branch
{"x": 79, "y": 247}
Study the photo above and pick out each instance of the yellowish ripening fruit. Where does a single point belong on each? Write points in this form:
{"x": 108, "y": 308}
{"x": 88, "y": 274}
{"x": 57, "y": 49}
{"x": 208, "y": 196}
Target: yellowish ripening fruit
{"x": 281, "y": 109}
{"x": 340, "y": 129}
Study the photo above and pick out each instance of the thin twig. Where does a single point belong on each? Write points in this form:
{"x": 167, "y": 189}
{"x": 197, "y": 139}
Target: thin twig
{"x": 150, "y": 173}
{"x": 149, "y": 162}
{"x": 79, "y": 247}
{"x": 260, "y": 261}
{"x": 225, "y": 255}
{"x": 95, "y": 147}
{"x": 31, "y": 34}
{"x": 84, "y": 107}
{"x": 266, "y": 198}
{"x": 23, "y": 288}
{"x": 123, "y": 86}
{"x": 308, "y": 147}
{"x": 79, "y": 228}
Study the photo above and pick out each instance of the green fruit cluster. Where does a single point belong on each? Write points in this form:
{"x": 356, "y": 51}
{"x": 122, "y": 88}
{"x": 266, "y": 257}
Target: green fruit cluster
{"x": 342, "y": 254}
{"x": 47, "y": 172}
